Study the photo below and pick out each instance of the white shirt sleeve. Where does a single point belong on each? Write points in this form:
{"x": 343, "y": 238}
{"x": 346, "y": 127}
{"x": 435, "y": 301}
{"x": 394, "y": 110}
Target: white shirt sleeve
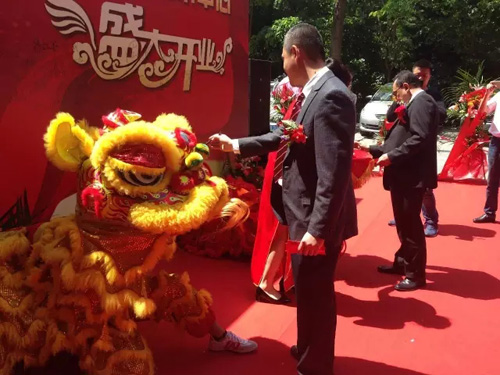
{"x": 493, "y": 103}
{"x": 236, "y": 146}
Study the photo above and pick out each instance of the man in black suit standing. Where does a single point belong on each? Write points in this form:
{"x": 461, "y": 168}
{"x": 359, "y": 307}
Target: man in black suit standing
{"x": 312, "y": 193}
{"x": 409, "y": 157}
{"x": 423, "y": 70}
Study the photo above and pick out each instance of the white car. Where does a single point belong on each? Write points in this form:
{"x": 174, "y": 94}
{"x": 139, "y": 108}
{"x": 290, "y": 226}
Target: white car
{"x": 374, "y": 112}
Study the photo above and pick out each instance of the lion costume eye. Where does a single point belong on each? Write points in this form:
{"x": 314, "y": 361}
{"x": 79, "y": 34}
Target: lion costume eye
{"x": 139, "y": 179}
{"x": 185, "y": 139}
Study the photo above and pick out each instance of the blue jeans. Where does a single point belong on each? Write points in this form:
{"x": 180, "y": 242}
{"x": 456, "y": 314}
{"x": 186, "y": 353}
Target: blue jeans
{"x": 429, "y": 210}
{"x": 490, "y": 208}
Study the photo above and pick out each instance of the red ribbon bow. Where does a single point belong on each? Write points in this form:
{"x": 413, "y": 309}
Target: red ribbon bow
{"x": 401, "y": 112}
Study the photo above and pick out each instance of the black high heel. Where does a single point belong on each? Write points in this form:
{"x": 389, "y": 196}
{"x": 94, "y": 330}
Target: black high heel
{"x": 262, "y": 296}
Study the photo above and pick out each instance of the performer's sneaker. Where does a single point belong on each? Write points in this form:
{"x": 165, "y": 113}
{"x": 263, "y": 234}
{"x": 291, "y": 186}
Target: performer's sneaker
{"x": 232, "y": 343}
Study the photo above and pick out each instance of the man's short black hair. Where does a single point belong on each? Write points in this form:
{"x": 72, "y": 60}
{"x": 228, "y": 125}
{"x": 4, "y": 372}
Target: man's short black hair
{"x": 408, "y": 77}
{"x": 308, "y": 39}
{"x": 423, "y": 64}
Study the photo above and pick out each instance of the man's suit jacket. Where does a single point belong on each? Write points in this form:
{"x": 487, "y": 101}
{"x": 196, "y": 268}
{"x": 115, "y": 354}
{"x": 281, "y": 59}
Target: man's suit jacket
{"x": 317, "y": 194}
{"x": 411, "y": 147}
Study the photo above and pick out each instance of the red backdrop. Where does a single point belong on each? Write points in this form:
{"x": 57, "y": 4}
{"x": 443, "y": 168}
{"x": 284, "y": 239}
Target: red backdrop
{"x": 46, "y": 67}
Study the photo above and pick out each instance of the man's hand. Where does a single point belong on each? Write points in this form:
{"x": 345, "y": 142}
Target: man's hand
{"x": 493, "y": 85}
{"x": 220, "y": 142}
{"x": 384, "y": 161}
{"x": 359, "y": 146}
{"x": 310, "y": 245}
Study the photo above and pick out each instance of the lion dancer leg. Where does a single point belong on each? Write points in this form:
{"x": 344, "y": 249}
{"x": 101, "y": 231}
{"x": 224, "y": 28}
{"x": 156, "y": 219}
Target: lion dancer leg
{"x": 177, "y": 301}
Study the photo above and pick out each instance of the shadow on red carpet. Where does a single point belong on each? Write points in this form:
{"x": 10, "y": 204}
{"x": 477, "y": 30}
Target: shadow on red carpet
{"x": 357, "y": 366}
{"x": 390, "y": 312}
{"x": 361, "y": 271}
{"x": 465, "y": 232}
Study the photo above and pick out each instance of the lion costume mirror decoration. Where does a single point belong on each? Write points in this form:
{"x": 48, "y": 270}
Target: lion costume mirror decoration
{"x": 81, "y": 283}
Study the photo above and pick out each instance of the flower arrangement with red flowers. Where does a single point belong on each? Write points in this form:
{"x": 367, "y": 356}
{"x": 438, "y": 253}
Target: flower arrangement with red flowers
{"x": 250, "y": 170}
{"x": 480, "y": 136}
{"x": 385, "y": 125}
{"x": 244, "y": 177}
{"x": 281, "y": 98}
{"x": 468, "y": 104}
{"x": 292, "y": 132}
{"x": 236, "y": 243}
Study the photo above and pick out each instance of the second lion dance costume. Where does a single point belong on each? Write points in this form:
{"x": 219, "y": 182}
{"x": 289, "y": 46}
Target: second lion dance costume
{"x": 79, "y": 284}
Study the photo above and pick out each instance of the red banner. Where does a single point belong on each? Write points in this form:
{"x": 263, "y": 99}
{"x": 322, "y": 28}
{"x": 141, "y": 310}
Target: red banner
{"x": 90, "y": 57}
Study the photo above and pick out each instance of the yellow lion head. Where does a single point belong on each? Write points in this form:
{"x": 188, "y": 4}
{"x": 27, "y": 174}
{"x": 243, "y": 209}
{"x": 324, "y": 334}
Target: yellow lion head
{"x": 149, "y": 174}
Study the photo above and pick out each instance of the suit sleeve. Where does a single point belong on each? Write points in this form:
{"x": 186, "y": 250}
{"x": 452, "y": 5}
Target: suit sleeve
{"x": 391, "y": 115}
{"x": 376, "y": 151}
{"x": 442, "y": 112}
{"x": 334, "y": 125}
{"x": 261, "y": 144}
{"x": 422, "y": 117}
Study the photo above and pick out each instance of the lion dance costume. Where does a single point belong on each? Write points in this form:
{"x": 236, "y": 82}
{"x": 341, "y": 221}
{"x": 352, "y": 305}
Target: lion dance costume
{"x": 79, "y": 284}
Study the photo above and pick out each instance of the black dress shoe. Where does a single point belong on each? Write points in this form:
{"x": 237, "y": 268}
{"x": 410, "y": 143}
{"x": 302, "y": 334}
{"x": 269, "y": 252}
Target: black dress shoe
{"x": 484, "y": 219}
{"x": 294, "y": 351}
{"x": 262, "y": 296}
{"x": 408, "y": 284}
{"x": 393, "y": 270}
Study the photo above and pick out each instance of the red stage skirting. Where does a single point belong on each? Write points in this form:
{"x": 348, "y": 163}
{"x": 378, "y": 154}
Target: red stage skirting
{"x": 450, "y": 328}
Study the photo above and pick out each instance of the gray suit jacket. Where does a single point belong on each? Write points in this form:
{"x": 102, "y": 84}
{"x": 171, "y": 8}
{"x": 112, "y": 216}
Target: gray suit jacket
{"x": 317, "y": 194}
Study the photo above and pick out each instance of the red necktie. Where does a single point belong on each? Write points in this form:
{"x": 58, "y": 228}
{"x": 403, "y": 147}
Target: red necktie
{"x": 283, "y": 147}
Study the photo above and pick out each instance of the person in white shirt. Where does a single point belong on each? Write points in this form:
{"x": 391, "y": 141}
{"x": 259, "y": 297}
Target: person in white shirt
{"x": 491, "y": 205}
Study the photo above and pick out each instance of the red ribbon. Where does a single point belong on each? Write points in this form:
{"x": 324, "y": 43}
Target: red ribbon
{"x": 401, "y": 112}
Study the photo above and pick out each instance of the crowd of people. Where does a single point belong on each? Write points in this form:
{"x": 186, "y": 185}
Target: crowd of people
{"x": 308, "y": 205}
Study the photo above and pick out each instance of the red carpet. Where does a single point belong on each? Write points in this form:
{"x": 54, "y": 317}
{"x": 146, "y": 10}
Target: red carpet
{"x": 450, "y": 328}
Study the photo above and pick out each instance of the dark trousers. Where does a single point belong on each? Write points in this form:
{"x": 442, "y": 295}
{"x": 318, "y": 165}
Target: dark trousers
{"x": 491, "y": 206}
{"x": 316, "y": 311}
{"x": 406, "y": 204}
{"x": 429, "y": 210}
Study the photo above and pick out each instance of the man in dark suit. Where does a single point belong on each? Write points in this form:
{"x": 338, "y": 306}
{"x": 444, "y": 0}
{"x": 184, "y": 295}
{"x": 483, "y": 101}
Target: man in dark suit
{"x": 423, "y": 70}
{"x": 312, "y": 193}
{"x": 409, "y": 157}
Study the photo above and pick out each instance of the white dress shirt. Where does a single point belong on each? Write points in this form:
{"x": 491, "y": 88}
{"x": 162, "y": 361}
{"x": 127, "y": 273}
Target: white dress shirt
{"x": 415, "y": 95}
{"x": 310, "y": 84}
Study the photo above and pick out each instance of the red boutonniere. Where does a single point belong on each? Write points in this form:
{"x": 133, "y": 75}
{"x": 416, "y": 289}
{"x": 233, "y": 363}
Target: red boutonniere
{"x": 401, "y": 113}
{"x": 388, "y": 125}
{"x": 293, "y": 132}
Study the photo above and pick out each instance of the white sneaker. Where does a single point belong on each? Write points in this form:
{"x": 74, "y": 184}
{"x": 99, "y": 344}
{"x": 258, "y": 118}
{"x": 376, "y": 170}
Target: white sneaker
{"x": 232, "y": 343}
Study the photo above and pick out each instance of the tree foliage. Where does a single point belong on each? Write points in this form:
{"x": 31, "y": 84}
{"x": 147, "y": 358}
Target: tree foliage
{"x": 465, "y": 82}
{"x": 384, "y": 36}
